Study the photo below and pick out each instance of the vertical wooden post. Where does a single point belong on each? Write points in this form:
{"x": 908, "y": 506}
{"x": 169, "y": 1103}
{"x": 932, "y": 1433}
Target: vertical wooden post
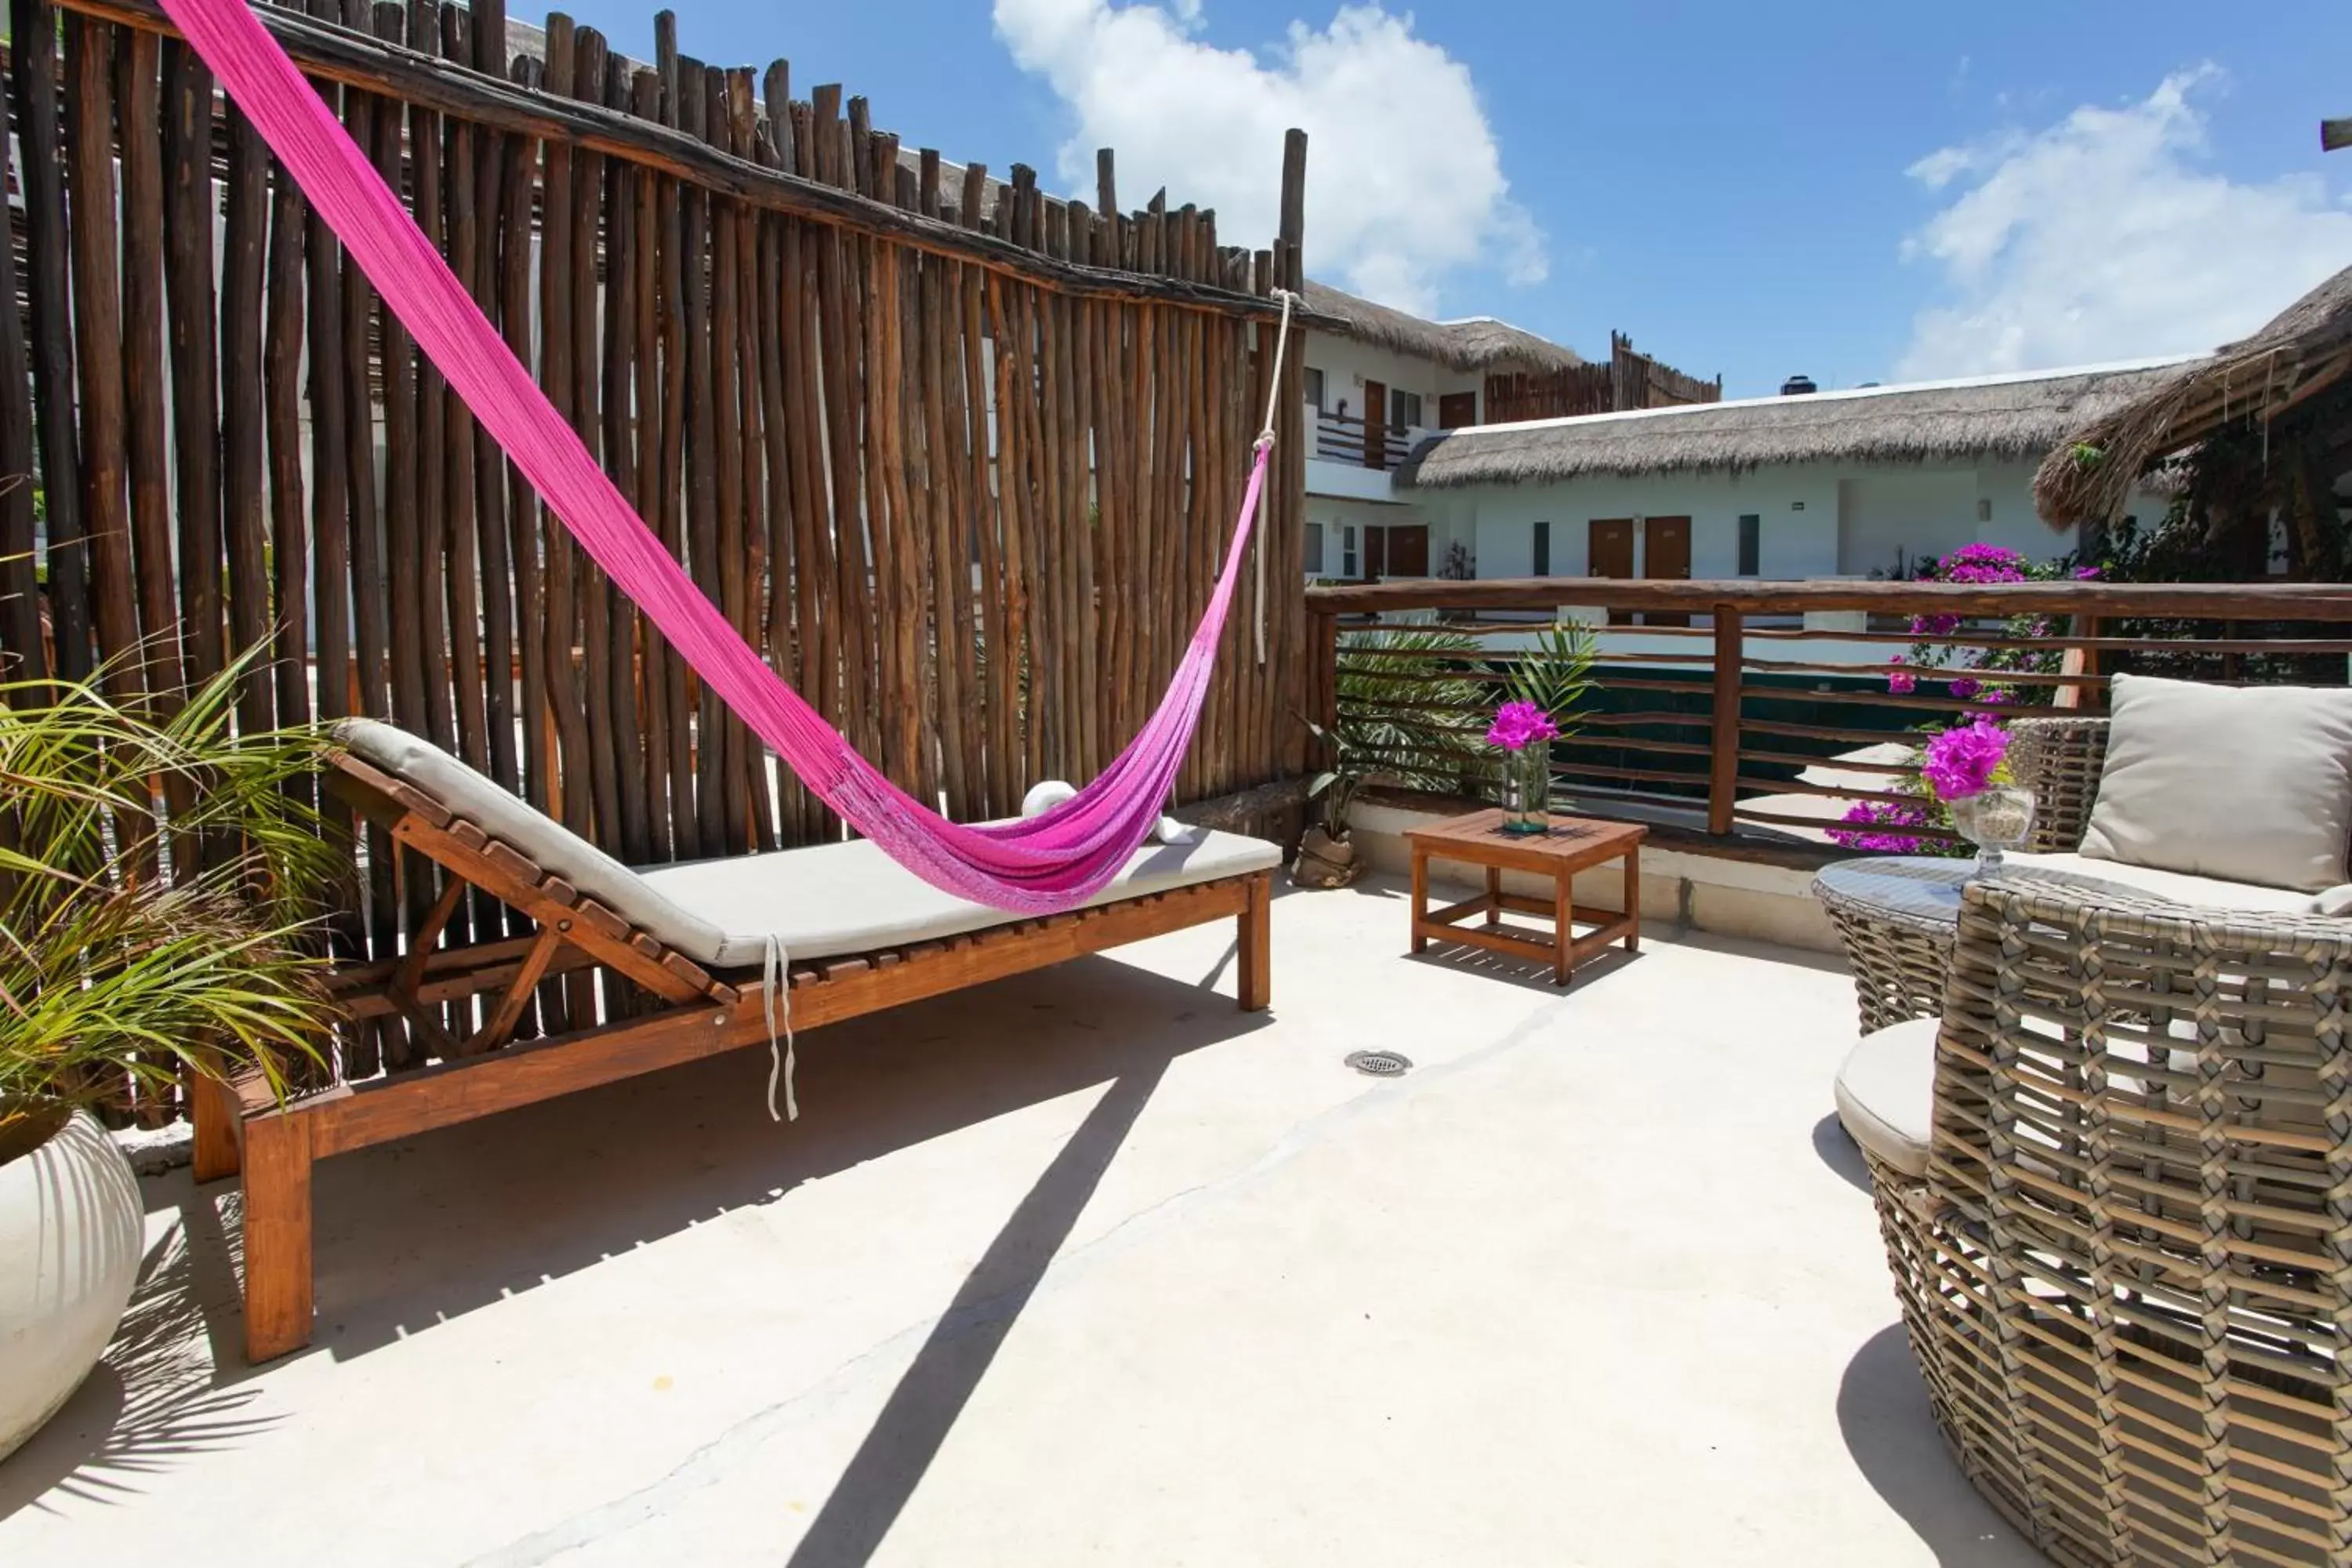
{"x": 2094, "y": 695}
{"x": 1322, "y": 672}
{"x": 2081, "y": 666}
{"x": 1723, "y": 758}
{"x": 1256, "y": 945}
{"x": 1284, "y": 530}
{"x": 214, "y": 1108}
{"x": 277, "y": 1235}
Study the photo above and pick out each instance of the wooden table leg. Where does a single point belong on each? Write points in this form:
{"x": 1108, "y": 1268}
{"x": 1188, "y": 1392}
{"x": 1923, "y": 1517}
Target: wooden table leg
{"x": 1256, "y": 945}
{"x": 1563, "y": 914}
{"x": 277, "y": 1235}
{"x": 1494, "y": 895}
{"x": 214, "y": 1111}
{"x": 1633, "y": 899}
{"x": 1420, "y": 896}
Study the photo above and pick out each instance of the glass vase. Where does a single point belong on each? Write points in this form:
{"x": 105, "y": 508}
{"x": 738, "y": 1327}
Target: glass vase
{"x": 1995, "y": 820}
{"x": 1527, "y": 789}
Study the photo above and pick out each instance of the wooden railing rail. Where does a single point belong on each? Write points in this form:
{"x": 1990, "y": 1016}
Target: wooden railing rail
{"x": 1746, "y": 727}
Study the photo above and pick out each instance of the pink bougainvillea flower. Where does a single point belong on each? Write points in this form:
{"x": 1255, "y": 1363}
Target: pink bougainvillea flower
{"x": 1877, "y": 815}
{"x": 1518, "y": 724}
{"x": 1967, "y": 687}
{"x": 1961, "y": 762}
{"x": 1901, "y": 682}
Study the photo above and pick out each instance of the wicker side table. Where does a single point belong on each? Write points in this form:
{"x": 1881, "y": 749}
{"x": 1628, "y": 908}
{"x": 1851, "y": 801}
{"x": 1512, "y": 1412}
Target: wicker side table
{"x": 1896, "y": 915}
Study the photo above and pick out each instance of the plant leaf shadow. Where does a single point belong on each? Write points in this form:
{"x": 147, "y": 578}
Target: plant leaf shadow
{"x": 152, "y": 1402}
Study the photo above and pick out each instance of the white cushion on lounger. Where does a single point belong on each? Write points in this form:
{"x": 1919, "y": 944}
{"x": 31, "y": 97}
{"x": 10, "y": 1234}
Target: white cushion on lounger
{"x": 852, "y": 898}
{"x": 823, "y": 900}
{"x": 1887, "y": 1093}
{"x": 2177, "y": 887}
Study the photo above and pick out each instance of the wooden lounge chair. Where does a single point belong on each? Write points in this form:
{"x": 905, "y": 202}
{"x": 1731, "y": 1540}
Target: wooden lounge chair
{"x": 860, "y": 933}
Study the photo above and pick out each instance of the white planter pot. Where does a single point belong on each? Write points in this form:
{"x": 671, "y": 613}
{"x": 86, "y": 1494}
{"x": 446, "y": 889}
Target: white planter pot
{"x": 71, "y": 1232}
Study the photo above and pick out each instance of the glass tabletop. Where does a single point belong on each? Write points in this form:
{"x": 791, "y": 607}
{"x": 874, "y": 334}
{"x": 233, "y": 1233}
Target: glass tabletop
{"x": 1925, "y": 890}
{"x": 1922, "y": 888}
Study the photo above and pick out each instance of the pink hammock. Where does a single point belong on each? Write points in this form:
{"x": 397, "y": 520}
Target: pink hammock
{"x": 1050, "y": 862}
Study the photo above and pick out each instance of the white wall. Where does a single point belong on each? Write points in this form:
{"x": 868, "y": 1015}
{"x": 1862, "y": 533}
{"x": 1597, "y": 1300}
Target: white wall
{"x": 1347, "y": 364}
{"x": 1338, "y": 494}
{"x": 1335, "y": 512}
{"x": 1815, "y": 519}
{"x": 1797, "y": 535}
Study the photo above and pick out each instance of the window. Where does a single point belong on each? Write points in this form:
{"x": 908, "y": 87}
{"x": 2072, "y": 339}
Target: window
{"x": 1404, "y": 408}
{"x": 1542, "y": 567}
{"x": 1315, "y": 550}
{"x": 1751, "y": 544}
{"x": 1348, "y": 551}
{"x": 1315, "y": 388}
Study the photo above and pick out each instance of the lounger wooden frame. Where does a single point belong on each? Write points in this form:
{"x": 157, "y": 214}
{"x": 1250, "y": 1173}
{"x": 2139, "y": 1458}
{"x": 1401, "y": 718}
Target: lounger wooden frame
{"x": 241, "y": 1130}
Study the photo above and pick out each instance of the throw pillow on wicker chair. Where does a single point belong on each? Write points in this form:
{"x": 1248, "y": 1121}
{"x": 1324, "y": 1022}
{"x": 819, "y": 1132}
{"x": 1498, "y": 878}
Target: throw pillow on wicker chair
{"x": 2248, "y": 784}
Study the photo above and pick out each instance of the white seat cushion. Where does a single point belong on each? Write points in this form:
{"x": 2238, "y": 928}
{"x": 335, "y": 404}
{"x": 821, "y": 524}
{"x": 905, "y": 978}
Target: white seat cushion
{"x": 830, "y": 898}
{"x": 2247, "y": 784}
{"x": 2178, "y": 887}
{"x": 1887, "y": 1093}
{"x": 819, "y": 902}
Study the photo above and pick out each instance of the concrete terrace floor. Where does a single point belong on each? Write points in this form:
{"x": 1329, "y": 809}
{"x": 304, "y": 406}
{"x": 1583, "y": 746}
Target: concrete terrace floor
{"x": 1088, "y": 1267}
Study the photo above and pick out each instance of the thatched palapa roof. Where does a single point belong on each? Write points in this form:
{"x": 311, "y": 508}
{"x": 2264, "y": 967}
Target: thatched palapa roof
{"x": 2009, "y": 418}
{"x": 2305, "y": 350}
{"x": 1480, "y": 343}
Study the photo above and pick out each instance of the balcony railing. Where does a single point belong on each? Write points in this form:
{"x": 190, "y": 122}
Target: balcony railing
{"x": 1745, "y": 722}
{"x": 1343, "y": 438}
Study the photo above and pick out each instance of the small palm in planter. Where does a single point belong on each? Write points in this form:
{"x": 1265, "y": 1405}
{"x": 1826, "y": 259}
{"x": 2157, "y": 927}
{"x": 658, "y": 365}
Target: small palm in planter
{"x": 159, "y": 878}
{"x": 1327, "y": 856}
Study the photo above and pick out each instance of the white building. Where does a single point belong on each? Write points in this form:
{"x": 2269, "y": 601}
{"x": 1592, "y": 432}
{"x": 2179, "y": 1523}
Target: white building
{"x": 1822, "y": 485}
{"x": 1376, "y": 389}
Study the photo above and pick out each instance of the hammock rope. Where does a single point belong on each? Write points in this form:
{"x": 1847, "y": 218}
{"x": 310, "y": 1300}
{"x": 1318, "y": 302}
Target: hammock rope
{"x": 1032, "y": 866}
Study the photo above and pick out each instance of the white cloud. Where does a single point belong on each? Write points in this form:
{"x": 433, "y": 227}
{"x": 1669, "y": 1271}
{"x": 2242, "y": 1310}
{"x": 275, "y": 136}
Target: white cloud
{"x": 1404, "y": 183}
{"x": 2106, "y": 237}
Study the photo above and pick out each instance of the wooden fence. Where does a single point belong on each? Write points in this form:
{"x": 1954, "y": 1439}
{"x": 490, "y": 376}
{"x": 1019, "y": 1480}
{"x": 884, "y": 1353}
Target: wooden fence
{"x": 958, "y": 455}
{"x": 1630, "y": 380}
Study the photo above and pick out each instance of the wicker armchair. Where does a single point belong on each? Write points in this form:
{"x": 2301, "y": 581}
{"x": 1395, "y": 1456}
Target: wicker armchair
{"x": 2058, "y": 760}
{"x": 2127, "y": 1271}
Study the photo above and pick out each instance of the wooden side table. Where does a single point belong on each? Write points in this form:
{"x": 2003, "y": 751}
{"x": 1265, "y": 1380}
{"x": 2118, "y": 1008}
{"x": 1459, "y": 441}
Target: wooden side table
{"x": 1573, "y": 845}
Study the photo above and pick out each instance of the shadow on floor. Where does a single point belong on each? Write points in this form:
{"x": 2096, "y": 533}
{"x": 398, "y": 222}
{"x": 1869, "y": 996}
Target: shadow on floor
{"x": 151, "y": 1402}
{"x": 419, "y": 1232}
{"x": 1838, "y": 1151}
{"x": 922, "y": 1409}
{"x": 1523, "y": 972}
{"x": 1883, "y": 1412}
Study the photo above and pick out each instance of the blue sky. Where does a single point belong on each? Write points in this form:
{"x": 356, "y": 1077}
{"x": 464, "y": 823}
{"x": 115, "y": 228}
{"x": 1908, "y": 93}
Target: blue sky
{"x": 1859, "y": 191}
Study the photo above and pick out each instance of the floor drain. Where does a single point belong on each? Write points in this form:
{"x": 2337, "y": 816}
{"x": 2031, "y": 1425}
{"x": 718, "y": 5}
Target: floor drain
{"x": 1378, "y": 1063}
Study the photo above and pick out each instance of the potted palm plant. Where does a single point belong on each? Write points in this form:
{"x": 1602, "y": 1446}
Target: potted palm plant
{"x": 1405, "y": 695}
{"x": 160, "y": 879}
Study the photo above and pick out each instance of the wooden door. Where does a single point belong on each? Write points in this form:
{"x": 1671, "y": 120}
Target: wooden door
{"x": 1376, "y": 554}
{"x": 1455, "y": 409}
{"x": 1376, "y": 426}
{"x": 1408, "y": 551}
{"x": 1666, "y": 553}
{"x": 1609, "y": 553}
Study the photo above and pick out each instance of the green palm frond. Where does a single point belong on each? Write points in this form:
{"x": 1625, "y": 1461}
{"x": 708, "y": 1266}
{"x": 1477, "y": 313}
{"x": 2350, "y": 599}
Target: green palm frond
{"x": 1555, "y": 674}
{"x": 1410, "y": 705}
{"x": 160, "y": 882}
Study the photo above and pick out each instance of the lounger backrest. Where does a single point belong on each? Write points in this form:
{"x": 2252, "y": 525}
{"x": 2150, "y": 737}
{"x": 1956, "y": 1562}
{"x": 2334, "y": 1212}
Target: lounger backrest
{"x": 542, "y": 840}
